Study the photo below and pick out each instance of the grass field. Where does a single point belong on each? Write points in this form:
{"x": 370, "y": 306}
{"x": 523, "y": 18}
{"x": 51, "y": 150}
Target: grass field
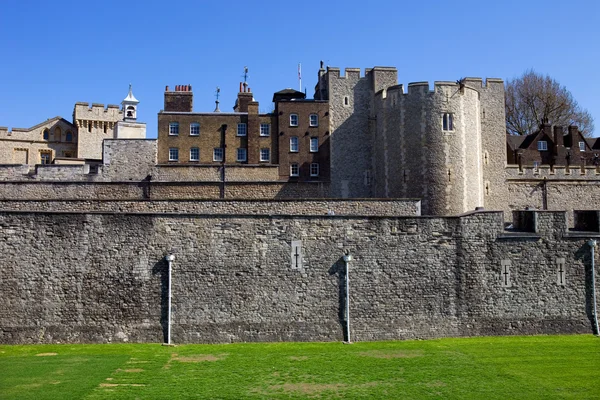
{"x": 539, "y": 367}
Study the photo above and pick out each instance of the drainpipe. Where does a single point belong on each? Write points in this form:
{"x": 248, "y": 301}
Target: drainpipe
{"x": 592, "y": 244}
{"x": 347, "y": 259}
{"x": 170, "y": 258}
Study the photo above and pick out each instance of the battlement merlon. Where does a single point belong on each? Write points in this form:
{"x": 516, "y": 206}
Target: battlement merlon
{"x": 97, "y": 111}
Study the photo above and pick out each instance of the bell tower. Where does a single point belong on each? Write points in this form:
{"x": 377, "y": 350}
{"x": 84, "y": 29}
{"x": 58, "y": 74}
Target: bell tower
{"x": 130, "y": 107}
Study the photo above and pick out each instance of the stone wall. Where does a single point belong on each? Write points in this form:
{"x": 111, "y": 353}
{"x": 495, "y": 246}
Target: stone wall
{"x": 101, "y": 277}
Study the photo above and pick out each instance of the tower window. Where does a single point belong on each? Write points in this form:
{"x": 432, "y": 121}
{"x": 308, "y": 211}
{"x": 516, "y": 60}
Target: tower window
{"x": 542, "y": 145}
{"x": 89, "y": 123}
{"x": 194, "y": 129}
{"x": 581, "y": 146}
{"x": 293, "y": 119}
{"x": 448, "y": 122}
{"x": 174, "y": 128}
{"x": 346, "y": 101}
{"x": 105, "y": 127}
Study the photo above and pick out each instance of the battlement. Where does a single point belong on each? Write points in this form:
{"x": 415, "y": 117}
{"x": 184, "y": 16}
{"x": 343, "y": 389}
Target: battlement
{"x": 97, "y": 111}
{"x": 549, "y": 172}
{"x": 356, "y": 72}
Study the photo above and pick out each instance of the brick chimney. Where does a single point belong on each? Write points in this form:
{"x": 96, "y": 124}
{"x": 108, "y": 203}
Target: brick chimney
{"x": 244, "y": 98}
{"x": 182, "y": 99}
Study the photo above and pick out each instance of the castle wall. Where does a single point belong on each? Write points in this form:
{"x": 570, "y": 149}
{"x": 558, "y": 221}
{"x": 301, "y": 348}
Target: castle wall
{"x": 102, "y": 277}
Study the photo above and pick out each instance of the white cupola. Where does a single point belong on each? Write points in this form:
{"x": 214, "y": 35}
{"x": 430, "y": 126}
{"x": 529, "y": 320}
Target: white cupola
{"x": 130, "y": 106}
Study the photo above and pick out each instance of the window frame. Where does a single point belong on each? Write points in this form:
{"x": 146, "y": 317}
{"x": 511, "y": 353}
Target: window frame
{"x": 448, "y": 122}
{"x": 45, "y": 155}
{"x": 222, "y": 154}
{"x": 295, "y": 145}
{"x": 310, "y": 120}
{"x": 245, "y": 152}
{"x": 173, "y": 128}
{"x": 313, "y": 140}
{"x": 312, "y": 166}
{"x": 581, "y": 146}
{"x": 173, "y": 151}
{"x": 198, "y": 155}
{"x": 267, "y": 128}
{"x": 268, "y": 153}
{"x": 542, "y": 145}
{"x": 294, "y": 117}
{"x": 242, "y": 132}
{"x": 295, "y": 166}
{"x": 192, "y": 126}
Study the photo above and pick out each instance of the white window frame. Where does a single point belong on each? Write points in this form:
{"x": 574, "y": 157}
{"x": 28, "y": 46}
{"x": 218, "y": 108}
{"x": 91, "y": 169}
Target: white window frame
{"x": 581, "y": 146}
{"x": 294, "y": 169}
{"x": 267, "y": 152}
{"x": 197, "y": 158}
{"x": 173, "y": 128}
{"x": 314, "y": 144}
{"x": 448, "y": 122}
{"x": 218, "y": 154}
{"x": 293, "y": 119}
{"x": 542, "y": 145}
{"x": 173, "y": 154}
{"x": 244, "y": 153}
{"x": 316, "y": 120}
{"x": 242, "y": 129}
{"x": 265, "y": 129}
{"x": 194, "y": 129}
{"x": 314, "y": 169}
{"x": 294, "y": 144}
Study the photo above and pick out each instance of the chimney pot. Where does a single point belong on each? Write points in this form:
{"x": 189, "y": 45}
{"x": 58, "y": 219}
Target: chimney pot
{"x": 241, "y": 87}
{"x": 190, "y": 87}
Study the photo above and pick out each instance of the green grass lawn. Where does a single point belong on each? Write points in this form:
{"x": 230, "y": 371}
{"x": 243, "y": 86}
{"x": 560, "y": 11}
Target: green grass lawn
{"x": 534, "y": 367}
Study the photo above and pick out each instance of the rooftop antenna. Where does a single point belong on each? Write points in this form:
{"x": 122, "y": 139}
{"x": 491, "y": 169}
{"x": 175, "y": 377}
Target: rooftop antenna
{"x": 300, "y": 76}
{"x": 245, "y": 77}
{"x": 217, "y": 93}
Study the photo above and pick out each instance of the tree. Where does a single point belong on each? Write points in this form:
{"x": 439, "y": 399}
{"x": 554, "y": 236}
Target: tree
{"x": 533, "y": 97}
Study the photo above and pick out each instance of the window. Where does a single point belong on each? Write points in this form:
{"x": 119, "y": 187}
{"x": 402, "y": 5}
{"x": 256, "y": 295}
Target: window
{"x": 265, "y": 129}
{"x": 314, "y": 144}
{"x": 218, "y": 154}
{"x": 314, "y": 120}
{"x": 294, "y": 144}
{"x": 265, "y": 154}
{"x": 241, "y": 130}
{"x": 448, "y": 122}
{"x": 314, "y": 169}
{"x": 293, "y": 119}
{"x": 542, "y": 145}
{"x": 346, "y": 101}
{"x": 69, "y": 136}
{"x": 194, "y": 154}
{"x": 89, "y": 126}
{"x": 241, "y": 154}
{"x": 581, "y": 146}
{"x": 194, "y": 129}
{"x": 173, "y": 154}
{"x": 174, "y": 128}
{"x": 45, "y": 158}
{"x": 294, "y": 169}
{"x": 46, "y": 135}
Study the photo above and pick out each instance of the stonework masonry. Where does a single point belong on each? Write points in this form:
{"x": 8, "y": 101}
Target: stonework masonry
{"x": 101, "y": 277}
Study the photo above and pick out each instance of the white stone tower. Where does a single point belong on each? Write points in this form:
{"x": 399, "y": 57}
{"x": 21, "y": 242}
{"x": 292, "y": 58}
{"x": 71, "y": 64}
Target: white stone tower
{"x": 130, "y": 106}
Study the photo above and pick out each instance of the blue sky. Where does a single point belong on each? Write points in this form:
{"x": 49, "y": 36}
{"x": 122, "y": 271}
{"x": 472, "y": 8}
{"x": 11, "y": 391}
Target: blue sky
{"x": 56, "y": 53}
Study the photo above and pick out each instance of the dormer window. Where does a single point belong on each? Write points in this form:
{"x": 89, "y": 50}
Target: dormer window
{"x": 293, "y": 119}
{"x": 542, "y": 145}
{"x": 581, "y": 146}
{"x": 448, "y": 122}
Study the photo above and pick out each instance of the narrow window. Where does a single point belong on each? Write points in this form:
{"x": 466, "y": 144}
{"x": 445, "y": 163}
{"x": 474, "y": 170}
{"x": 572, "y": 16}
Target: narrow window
{"x": 241, "y": 130}
{"x": 448, "y": 122}
{"x": 241, "y": 154}
{"x": 581, "y": 146}
{"x": 542, "y": 145}
{"x": 69, "y": 136}
{"x": 218, "y": 154}
{"x": 505, "y": 277}
{"x": 194, "y": 129}
{"x": 265, "y": 155}
{"x": 314, "y": 120}
{"x": 173, "y": 154}
{"x": 89, "y": 126}
{"x": 194, "y": 154}
{"x": 293, "y": 119}
{"x": 105, "y": 127}
{"x": 46, "y": 135}
{"x": 346, "y": 102}
{"x": 314, "y": 144}
{"x": 294, "y": 169}
{"x": 314, "y": 169}
{"x": 265, "y": 129}
{"x": 294, "y": 144}
{"x": 174, "y": 128}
